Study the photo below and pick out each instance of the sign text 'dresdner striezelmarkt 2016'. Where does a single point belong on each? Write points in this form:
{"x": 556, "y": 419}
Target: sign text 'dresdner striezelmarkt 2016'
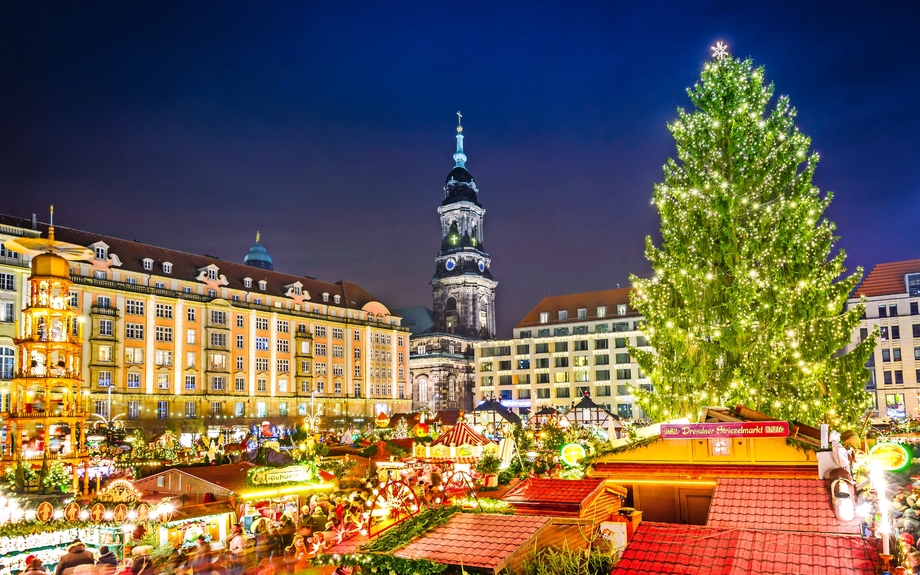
{"x": 729, "y": 429}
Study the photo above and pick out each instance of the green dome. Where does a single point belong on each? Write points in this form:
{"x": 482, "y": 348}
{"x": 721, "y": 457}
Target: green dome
{"x": 258, "y": 256}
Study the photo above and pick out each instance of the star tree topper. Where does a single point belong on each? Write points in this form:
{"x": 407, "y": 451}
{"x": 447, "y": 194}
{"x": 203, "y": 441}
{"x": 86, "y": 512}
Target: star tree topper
{"x": 720, "y": 50}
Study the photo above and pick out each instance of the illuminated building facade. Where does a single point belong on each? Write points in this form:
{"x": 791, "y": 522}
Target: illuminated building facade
{"x": 566, "y": 347}
{"x": 892, "y": 292}
{"x": 198, "y": 341}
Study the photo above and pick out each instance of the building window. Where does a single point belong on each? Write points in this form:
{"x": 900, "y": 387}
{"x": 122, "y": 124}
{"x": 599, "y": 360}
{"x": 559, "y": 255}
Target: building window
{"x": 283, "y": 345}
{"x": 886, "y": 377}
{"x": 105, "y": 327}
{"x": 190, "y": 410}
{"x": 261, "y": 409}
{"x": 164, "y": 311}
{"x": 167, "y": 268}
{"x": 895, "y": 332}
{"x": 134, "y": 330}
{"x": 261, "y": 384}
{"x": 262, "y": 285}
{"x": 162, "y": 357}
{"x": 190, "y": 382}
{"x": 105, "y": 353}
{"x": 162, "y": 381}
{"x": 134, "y": 307}
{"x": 895, "y": 407}
{"x": 105, "y": 379}
{"x": 218, "y": 383}
{"x": 562, "y": 392}
{"x": 134, "y": 380}
{"x": 621, "y": 309}
{"x": 423, "y": 389}
{"x": 164, "y": 334}
{"x": 262, "y": 344}
{"x": 133, "y": 409}
{"x": 148, "y": 264}
{"x": 190, "y": 359}
{"x": 102, "y": 408}
{"x": 284, "y": 366}
{"x": 162, "y": 409}
{"x": 239, "y": 384}
{"x": 914, "y": 308}
{"x": 720, "y": 446}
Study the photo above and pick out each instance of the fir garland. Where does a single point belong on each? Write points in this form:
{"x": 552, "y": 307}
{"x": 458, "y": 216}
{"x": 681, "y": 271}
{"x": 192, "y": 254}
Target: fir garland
{"x": 425, "y": 521}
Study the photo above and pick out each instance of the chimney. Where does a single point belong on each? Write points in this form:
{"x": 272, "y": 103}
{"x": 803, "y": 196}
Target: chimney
{"x": 34, "y": 222}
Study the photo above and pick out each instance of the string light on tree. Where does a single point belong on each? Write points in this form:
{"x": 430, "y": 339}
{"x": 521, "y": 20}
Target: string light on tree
{"x": 748, "y": 301}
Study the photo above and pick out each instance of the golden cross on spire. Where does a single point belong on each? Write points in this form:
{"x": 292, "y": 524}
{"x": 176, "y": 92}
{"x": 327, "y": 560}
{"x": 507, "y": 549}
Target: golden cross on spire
{"x": 257, "y": 237}
{"x": 459, "y": 124}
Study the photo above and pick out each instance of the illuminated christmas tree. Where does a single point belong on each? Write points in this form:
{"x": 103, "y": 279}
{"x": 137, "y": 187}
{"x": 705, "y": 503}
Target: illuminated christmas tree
{"x": 747, "y": 302}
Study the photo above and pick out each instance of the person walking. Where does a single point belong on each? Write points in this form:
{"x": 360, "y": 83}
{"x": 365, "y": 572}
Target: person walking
{"x": 35, "y": 567}
{"x": 236, "y": 550}
{"x": 77, "y": 554}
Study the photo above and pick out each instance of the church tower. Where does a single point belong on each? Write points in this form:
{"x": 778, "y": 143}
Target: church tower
{"x": 462, "y": 286}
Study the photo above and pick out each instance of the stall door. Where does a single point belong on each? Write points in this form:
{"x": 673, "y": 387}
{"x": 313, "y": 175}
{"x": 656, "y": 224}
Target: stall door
{"x": 694, "y": 505}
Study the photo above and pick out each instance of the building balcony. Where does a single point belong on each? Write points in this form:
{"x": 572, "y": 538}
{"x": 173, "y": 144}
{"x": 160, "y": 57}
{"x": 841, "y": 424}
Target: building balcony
{"x": 215, "y": 368}
{"x": 50, "y": 338}
{"x": 102, "y": 310}
{"x": 58, "y": 414}
{"x": 45, "y": 373}
{"x": 303, "y": 334}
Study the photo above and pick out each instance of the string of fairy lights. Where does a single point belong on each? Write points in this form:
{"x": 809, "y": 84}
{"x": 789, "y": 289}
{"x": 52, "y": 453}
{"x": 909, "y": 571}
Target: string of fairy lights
{"x": 747, "y": 303}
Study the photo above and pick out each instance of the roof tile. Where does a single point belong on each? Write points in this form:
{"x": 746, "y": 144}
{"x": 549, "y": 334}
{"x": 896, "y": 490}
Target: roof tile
{"x": 887, "y": 278}
{"x": 781, "y": 504}
{"x": 667, "y": 549}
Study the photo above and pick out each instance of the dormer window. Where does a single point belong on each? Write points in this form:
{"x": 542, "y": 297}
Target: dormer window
{"x": 544, "y": 317}
{"x": 582, "y": 313}
{"x": 337, "y": 299}
{"x": 621, "y": 309}
{"x": 148, "y": 264}
{"x": 601, "y": 311}
{"x": 263, "y": 284}
{"x": 101, "y": 253}
{"x": 167, "y": 268}
{"x": 563, "y": 315}
{"x": 325, "y": 297}
{"x": 212, "y": 274}
{"x": 247, "y": 282}
{"x": 297, "y": 290}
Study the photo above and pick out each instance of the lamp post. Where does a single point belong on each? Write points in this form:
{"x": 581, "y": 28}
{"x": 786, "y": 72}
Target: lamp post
{"x": 311, "y": 420}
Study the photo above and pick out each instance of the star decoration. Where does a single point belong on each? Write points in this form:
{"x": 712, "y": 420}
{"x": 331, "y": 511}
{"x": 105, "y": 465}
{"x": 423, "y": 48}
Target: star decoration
{"x": 720, "y": 50}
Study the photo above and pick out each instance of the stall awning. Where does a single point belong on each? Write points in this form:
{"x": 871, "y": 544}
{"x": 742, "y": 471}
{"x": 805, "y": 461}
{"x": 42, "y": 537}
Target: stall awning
{"x": 268, "y": 491}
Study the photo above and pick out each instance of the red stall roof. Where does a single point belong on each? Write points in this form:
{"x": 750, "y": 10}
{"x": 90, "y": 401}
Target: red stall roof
{"x": 668, "y": 549}
{"x": 776, "y": 504}
{"x": 475, "y": 540}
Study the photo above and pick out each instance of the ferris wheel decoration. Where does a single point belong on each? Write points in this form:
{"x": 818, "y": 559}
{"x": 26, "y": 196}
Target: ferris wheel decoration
{"x": 458, "y": 484}
{"x": 392, "y": 504}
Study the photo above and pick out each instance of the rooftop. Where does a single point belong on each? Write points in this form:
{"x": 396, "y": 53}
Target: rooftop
{"x": 571, "y": 303}
{"x": 231, "y": 477}
{"x": 566, "y": 491}
{"x": 887, "y": 279}
{"x": 186, "y": 266}
{"x": 668, "y": 549}
{"x": 776, "y": 504}
{"x": 475, "y": 540}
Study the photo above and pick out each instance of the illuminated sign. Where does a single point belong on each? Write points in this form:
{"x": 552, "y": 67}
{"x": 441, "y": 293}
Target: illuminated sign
{"x": 728, "y": 429}
{"x": 291, "y": 474}
{"x": 891, "y": 456}
{"x": 572, "y": 454}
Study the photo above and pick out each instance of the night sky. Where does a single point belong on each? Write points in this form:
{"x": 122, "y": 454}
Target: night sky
{"x": 191, "y": 125}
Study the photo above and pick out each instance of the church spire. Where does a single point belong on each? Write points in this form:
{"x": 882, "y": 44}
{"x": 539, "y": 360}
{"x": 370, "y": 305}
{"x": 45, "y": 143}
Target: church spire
{"x": 459, "y": 156}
